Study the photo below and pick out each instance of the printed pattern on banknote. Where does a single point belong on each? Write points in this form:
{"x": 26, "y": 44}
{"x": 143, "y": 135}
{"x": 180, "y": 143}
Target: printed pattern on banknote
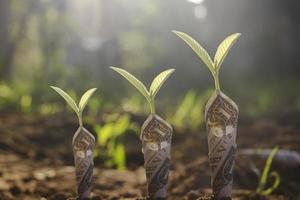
{"x": 156, "y": 138}
{"x": 221, "y": 122}
{"x": 83, "y": 145}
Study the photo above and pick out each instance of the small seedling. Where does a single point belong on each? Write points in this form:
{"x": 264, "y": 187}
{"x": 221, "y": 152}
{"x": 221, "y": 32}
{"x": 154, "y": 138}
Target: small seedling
{"x": 110, "y": 137}
{"x": 262, "y": 186}
{"x": 221, "y": 115}
{"x": 154, "y": 88}
{"x": 83, "y": 145}
{"x": 221, "y": 53}
{"x": 156, "y": 136}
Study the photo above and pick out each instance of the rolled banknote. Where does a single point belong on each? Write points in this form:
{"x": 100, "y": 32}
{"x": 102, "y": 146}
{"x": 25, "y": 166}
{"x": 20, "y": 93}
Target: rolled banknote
{"x": 156, "y": 136}
{"x": 221, "y": 117}
{"x": 83, "y": 145}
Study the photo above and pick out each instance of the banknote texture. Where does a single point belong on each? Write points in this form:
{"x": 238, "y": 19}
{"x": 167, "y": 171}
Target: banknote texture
{"x": 156, "y": 136}
{"x": 83, "y": 145}
{"x": 221, "y": 116}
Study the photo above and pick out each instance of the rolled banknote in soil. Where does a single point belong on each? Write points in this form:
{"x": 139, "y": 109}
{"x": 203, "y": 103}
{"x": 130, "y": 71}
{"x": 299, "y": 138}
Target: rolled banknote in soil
{"x": 83, "y": 145}
{"x": 156, "y": 136}
{"x": 221, "y": 117}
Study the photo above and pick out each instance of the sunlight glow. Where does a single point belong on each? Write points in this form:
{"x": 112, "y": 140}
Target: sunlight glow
{"x": 200, "y": 12}
{"x": 196, "y": 1}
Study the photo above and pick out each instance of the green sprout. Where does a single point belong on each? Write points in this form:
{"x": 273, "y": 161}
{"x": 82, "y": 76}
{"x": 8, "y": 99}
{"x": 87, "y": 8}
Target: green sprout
{"x": 261, "y": 189}
{"x": 154, "y": 88}
{"x": 110, "y": 138}
{"x": 82, "y": 103}
{"x": 221, "y": 53}
{"x": 188, "y": 115}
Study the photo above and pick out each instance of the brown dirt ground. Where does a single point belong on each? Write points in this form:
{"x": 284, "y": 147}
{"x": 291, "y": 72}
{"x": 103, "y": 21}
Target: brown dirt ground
{"x": 36, "y": 161}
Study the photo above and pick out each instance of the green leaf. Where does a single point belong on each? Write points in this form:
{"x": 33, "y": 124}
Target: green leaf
{"x": 159, "y": 81}
{"x": 197, "y": 48}
{"x": 223, "y": 49}
{"x": 121, "y": 125}
{"x": 105, "y": 133}
{"x": 85, "y": 98}
{"x": 68, "y": 99}
{"x": 120, "y": 156}
{"x": 134, "y": 81}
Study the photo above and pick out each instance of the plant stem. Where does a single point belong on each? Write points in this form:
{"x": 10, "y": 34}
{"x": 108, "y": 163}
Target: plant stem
{"x": 217, "y": 81}
{"x": 79, "y": 115}
{"x": 152, "y": 106}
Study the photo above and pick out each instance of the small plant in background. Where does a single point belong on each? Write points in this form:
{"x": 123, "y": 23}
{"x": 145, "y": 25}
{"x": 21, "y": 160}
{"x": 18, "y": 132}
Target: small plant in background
{"x": 83, "y": 145}
{"x": 156, "y": 136}
{"x": 135, "y": 104}
{"x": 262, "y": 188}
{"x": 221, "y": 117}
{"x": 110, "y": 144}
{"x": 188, "y": 115}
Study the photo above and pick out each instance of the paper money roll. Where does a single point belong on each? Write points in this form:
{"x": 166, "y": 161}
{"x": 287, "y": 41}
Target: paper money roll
{"x": 156, "y": 136}
{"x": 83, "y": 145}
{"x": 221, "y": 117}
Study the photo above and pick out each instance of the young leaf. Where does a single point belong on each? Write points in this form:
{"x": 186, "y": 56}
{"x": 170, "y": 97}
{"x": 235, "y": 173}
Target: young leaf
{"x": 85, "y": 98}
{"x": 159, "y": 81}
{"x": 68, "y": 99}
{"x": 224, "y": 48}
{"x": 134, "y": 81}
{"x": 120, "y": 156}
{"x": 197, "y": 48}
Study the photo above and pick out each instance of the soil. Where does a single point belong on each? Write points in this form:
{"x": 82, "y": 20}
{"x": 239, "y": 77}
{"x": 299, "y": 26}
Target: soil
{"x": 36, "y": 161}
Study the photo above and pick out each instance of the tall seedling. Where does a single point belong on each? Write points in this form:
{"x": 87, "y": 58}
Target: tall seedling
{"x": 156, "y": 136}
{"x": 221, "y": 117}
{"x": 83, "y": 145}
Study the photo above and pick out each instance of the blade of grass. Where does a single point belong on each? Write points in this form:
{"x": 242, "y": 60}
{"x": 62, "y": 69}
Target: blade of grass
{"x": 265, "y": 174}
{"x": 275, "y": 185}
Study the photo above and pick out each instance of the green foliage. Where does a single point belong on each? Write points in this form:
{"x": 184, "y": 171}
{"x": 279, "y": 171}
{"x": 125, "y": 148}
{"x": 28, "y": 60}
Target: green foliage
{"x": 67, "y": 98}
{"x": 83, "y": 101}
{"x": 189, "y": 114}
{"x": 223, "y": 49}
{"x": 134, "y": 81}
{"x": 197, "y": 48}
{"x": 109, "y": 138}
{"x": 221, "y": 53}
{"x": 8, "y": 97}
{"x": 134, "y": 104}
{"x": 85, "y": 98}
{"x": 26, "y": 101}
{"x": 261, "y": 189}
{"x": 95, "y": 106}
{"x": 154, "y": 88}
{"x": 158, "y": 81}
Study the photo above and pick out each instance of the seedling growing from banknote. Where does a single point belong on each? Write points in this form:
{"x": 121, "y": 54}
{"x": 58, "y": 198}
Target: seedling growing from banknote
{"x": 221, "y": 117}
{"x": 156, "y": 135}
{"x": 83, "y": 145}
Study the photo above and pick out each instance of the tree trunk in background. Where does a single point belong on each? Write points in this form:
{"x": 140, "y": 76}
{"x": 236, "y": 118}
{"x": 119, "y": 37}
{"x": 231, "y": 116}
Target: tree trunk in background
{"x": 8, "y": 45}
{"x": 5, "y": 47}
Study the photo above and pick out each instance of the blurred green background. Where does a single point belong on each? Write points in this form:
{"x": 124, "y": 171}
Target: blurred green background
{"x": 72, "y": 43}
